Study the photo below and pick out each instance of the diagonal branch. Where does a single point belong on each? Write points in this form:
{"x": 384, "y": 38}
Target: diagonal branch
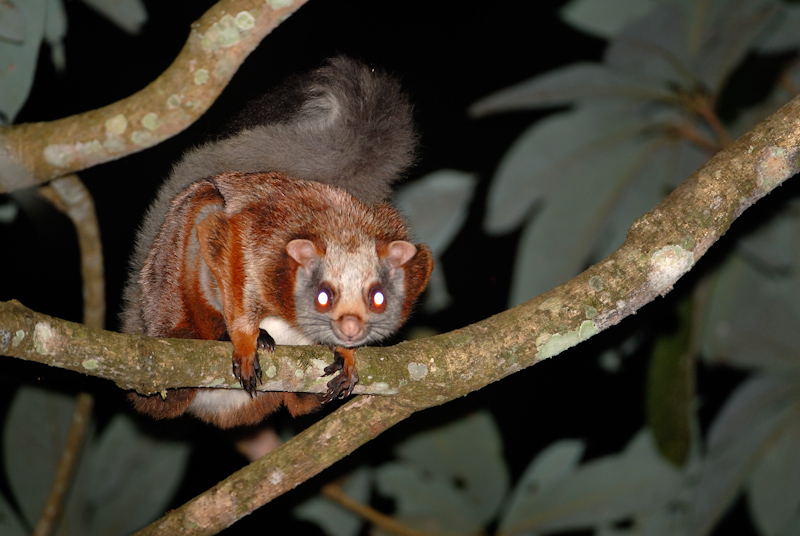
{"x": 218, "y": 43}
{"x": 661, "y": 246}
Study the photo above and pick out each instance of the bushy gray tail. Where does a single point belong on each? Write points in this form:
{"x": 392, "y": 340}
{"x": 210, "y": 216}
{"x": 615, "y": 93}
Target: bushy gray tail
{"x": 343, "y": 124}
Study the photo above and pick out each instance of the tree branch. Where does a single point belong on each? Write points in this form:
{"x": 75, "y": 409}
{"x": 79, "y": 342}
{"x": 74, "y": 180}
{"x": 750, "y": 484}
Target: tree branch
{"x": 218, "y": 43}
{"x": 69, "y": 195}
{"x": 661, "y": 246}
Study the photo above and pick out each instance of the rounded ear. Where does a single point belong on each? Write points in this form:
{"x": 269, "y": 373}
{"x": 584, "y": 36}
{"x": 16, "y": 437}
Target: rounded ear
{"x": 398, "y": 253}
{"x": 303, "y": 251}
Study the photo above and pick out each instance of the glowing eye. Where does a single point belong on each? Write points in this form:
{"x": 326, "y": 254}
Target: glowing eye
{"x": 324, "y": 300}
{"x": 377, "y": 299}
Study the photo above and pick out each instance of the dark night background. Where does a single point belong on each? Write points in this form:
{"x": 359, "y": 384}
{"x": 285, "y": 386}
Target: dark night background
{"x": 448, "y": 54}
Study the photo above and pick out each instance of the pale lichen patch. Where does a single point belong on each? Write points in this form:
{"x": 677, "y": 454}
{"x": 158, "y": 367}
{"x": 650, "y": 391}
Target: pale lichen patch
{"x": 667, "y": 265}
{"x": 279, "y": 4}
{"x": 271, "y": 371}
{"x": 245, "y": 21}
{"x": 18, "y": 337}
{"x": 114, "y": 144}
{"x": 557, "y": 343}
{"x": 116, "y": 126}
{"x": 143, "y": 138}
{"x": 150, "y": 121}
{"x": 276, "y": 477}
{"x": 174, "y": 101}
{"x": 417, "y": 371}
{"x": 596, "y": 283}
{"x": 64, "y": 154}
{"x": 222, "y": 34}
{"x": 90, "y": 364}
{"x": 42, "y": 334}
{"x": 776, "y": 165}
{"x": 201, "y": 77}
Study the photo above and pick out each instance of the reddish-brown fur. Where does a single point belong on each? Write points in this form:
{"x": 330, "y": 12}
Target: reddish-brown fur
{"x": 238, "y": 224}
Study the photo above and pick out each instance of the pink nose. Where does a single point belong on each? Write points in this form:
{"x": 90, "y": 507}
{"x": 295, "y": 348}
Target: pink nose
{"x": 351, "y": 326}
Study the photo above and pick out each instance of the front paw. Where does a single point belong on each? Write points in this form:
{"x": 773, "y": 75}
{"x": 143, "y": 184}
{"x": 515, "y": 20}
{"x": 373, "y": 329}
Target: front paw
{"x": 246, "y": 367}
{"x": 265, "y": 340}
{"x": 248, "y": 372}
{"x": 342, "y": 385}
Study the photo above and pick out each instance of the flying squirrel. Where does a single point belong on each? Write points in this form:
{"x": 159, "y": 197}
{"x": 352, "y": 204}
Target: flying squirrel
{"x": 278, "y": 232}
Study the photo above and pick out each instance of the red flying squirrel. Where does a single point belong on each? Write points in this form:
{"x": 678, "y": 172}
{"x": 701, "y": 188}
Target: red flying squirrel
{"x": 278, "y": 232}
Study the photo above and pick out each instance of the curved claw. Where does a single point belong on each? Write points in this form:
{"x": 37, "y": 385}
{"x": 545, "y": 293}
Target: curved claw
{"x": 342, "y": 385}
{"x": 248, "y": 371}
{"x": 248, "y": 379}
{"x": 265, "y": 340}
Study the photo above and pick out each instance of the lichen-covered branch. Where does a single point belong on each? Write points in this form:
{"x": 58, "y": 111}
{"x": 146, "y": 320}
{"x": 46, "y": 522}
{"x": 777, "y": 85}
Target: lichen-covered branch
{"x": 150, "y": 365}
{"x": 218, "y": 43}
{"x": 355, "y": 424}
{"x": 661, "y": 246}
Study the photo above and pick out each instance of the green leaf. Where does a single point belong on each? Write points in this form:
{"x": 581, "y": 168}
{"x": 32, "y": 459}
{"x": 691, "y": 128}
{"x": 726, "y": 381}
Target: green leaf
{"x": 659, "y": 166}
{"x": 129, "y": 480}
{"x": 566, "y": 85}
{"x": 729, "y": 31}
{"x": 558, "y": 240}
{"x": 654, "y": 48}
{"x": 451, "y": 480}
{"x": 436, "y": 206}
{"x": 470, "y": 453}
{"x": 743, "y": 433}
{"x": 18, "y": 60}
{"x": 783, "y": 35}
{"x": 10, "y": 525}
{"x": 751, "y": 314}
{"x": 333, "y": 518}
{"x": 604, "y": 18}
{"x": 552, "y": 465}
{"x": 35, "y": 433}
{"x": 548, "y": 154}
{"x": 12, "y": 23}
{"x": 670, "y": 391}
{"x": 427, "y": 502}
{"x": 129, "y": 15}
{"x": 774, "y": 484}
{"x": 600, "y": 492}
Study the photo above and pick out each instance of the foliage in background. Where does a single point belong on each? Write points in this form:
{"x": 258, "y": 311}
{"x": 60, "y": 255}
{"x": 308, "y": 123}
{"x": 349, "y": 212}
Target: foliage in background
{"x": 27, "y": 24}
{"x": 634, "y": 126}
{"x": 123, "y": 481}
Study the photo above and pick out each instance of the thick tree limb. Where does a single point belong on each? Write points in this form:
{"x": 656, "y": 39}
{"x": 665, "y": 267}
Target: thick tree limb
{"x": 218, "y": 43}
{"x": 661, "y": 246}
